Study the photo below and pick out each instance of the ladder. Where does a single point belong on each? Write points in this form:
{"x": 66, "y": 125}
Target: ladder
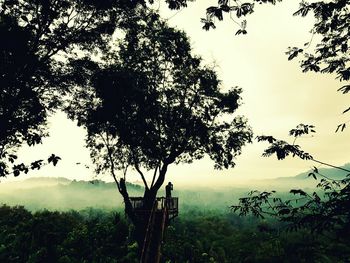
{"x": 151, "y": 250}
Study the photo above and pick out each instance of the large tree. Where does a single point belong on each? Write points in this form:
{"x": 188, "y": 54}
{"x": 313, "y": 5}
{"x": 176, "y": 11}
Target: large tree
{"x": 37, "y": 37}
{"x": 150, "y": 103}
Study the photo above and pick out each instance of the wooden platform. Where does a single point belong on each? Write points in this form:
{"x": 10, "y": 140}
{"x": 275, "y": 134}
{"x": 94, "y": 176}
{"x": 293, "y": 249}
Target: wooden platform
{"x": 171, "y": 205}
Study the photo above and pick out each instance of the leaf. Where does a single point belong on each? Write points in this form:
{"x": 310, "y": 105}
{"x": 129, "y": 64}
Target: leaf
{"x": 239, "y": 12}
{"x": 338, "y": 127}
{"x": 12, "y": 158}
{"x": 313, "y": 175}
{"x": 211, "y": 9}
{"x": 343, "y": 127}
{"x": 293, "y": 55}
{"x": 346, "y": 110}
{"x": 208, "y": 24}
{"x": 345, "y": 89}
{"x": 215, "y": 11}
{"x": 54, "y": 159}
{"x": 36, "y": 165}
{"x": 247, "y": 8}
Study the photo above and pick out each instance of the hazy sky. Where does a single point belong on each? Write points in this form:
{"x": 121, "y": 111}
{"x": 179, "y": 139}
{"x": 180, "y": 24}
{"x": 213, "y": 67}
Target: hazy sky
{"x": 277, "y": 96}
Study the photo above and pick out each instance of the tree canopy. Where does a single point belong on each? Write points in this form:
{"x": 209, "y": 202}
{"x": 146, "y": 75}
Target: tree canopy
{"x": 37, "y": 37}
{"x": 151, "y": 103}
{"x": 46, "y": 31}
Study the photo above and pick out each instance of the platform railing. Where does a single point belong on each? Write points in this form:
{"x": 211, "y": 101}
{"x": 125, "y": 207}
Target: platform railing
{"x": 172, "y": 205}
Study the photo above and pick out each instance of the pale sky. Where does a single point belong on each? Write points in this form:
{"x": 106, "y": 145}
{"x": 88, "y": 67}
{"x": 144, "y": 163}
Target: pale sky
{"x": 277, "y": 96}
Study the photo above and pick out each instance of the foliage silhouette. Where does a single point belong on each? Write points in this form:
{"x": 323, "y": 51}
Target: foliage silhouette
{"x": 37, "y": 39}
{"x": 327, "y": 51}
{"x": 322, "y": 211}
{"x": 151, "y": 104}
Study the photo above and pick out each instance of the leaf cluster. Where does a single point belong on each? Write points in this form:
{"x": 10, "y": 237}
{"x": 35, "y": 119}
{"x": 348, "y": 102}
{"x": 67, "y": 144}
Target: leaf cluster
{"x": 154, "y": 103}
{"x": 234, "y": 9}
{"x": 282, "y": 149}
{"x": 323, "y": 210}
{"x": 331, "y": 53}
{"x": 37, "y": 38}
{"x": 320, "y": 213}
{"x": 18, "y": 168}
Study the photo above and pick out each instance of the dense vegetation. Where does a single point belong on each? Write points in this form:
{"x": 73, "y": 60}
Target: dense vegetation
{"x": 93, "y": 235}
{"x": 89, "y": 236}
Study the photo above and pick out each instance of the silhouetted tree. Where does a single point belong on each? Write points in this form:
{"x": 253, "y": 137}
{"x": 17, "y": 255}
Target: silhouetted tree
{"x": 37, "y": 38}
{"x": 151, "y": 104}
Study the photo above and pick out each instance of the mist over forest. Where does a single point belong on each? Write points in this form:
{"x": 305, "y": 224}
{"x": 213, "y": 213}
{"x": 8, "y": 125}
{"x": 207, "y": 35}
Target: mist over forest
{"x": 38, "y": 193}
{"x": 83, "y": 221}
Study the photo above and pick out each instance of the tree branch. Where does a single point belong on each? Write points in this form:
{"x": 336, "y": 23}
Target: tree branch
{"x": 137, "y": 167}
{"x": 154, "y": 175}
{"x": 141, "y": 174}
{"x": 161, "y": 177}
{"x": 330, "y": 165}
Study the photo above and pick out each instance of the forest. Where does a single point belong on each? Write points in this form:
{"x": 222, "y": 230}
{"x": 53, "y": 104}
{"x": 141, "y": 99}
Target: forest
{"x": 167, "y": 131}
{"x": 95, "y": 235}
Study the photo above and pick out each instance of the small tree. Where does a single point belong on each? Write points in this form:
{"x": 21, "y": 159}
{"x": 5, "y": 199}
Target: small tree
{"x": 153, "y": 104}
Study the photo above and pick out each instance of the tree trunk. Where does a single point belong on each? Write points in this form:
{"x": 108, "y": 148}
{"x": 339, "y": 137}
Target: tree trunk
{"x": 141, "y": 220}
{"x": 129, "y": 211}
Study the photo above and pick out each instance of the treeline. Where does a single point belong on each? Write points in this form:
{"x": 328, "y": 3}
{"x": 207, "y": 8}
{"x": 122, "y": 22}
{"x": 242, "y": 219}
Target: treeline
{"x": 93, "y": 235}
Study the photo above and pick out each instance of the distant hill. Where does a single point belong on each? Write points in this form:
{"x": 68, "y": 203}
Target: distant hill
{"x": 36, "y": 182}
{"x": 63, "y": 194}
{"x": 331, "y": 173}
{"x": 303, "y": 180}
